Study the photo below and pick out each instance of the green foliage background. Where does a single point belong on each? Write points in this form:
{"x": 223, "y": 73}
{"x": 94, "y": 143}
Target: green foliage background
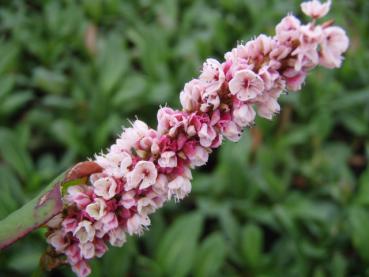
{"x": 290, "y": 199}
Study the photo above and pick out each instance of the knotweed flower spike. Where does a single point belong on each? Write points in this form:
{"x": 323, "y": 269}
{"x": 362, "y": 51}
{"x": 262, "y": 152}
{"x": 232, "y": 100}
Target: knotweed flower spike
{"x": 147, "y": 167}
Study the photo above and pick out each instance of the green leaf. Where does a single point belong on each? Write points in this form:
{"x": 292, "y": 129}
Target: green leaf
{"x": 359, "y": 225}
{"x": 252, "y": 242}
{"x": 177, "y": 250}
{"x": 14, "y": 153}
{"x": 33, "y": 214}
{"x": 211, "y": 255}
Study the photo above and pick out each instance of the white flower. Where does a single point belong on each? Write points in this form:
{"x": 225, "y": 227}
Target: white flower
{"x": 96, "y": 209}
{"x": 85, "y": 231}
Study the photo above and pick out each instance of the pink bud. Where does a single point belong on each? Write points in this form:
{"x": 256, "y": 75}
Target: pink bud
{"x": 87, "y": 250}
{"x": 57, "y": 240}
{"x": 315, "y": 9}
{"x": 109, "y": 222}
{"x": 82, "y": 269}
{"x": 179, "y": 188}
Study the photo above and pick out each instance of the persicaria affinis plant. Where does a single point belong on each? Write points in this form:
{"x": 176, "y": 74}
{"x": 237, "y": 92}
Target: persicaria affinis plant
{"x": 146, "y": 167}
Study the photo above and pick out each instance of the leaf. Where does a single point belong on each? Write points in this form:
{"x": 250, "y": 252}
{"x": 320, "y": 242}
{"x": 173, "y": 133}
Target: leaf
{"x": 32, "y": 215}
{"x": 252, "y": 242}
{"x": 211, "y": 255}
{"x": 13, "y": 152}
{"x": 43, "y": 207}
{"x": 359, "y": 225}
{"x": 177, "y": 249}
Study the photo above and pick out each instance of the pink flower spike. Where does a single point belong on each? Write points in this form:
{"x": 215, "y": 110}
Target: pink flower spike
{"x": 96, "y": 209}
{"x": 82, "y": 269}
{"x": 246, "y": 85}
{"x": 315, "y": 9}
{"x": 105, "y": 187}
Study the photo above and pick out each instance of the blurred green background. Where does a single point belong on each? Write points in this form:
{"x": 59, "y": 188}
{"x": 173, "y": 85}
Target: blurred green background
{"x": 290, "y": 199}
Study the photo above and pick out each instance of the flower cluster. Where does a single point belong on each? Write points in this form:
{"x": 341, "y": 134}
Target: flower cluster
{"x": 147, "y": 167}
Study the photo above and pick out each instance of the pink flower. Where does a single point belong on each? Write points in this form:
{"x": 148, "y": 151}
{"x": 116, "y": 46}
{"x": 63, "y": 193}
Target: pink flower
{"x": 268, "y": 105}
{"x": 288, "y": 29}
{"x": 315, "y": 9}
{"x": 161, "y": 184}
{"x": 294, "y": 79}
{"x": 146, "y": 206}
{"x": 84, "y": 232}
{"x": 69, "y": 224}
{"x": 143, "y": 176}
{"x": 100, "y": 247}
{"x": 179, "y": 187}
{"x": 126, "y": 161}
{"x": 246, "y": 85}
{"x": 199, "y": 157}
{"x": 335, "y": 43}
{"x": 105, "y": 187}
{"x": 117, "y": 237}
{"x": 109, "y": 222}
{"x": 80, "y": 195}
{"x": 191, "y": 95}
{"x": 210, "y": 101}
{"x": 244, "y": 115}
{"x": 82, "y": 269}
{"x": 137, "y": 224}
{"x": 206, "y": 134}
{"x": 87, "y": 250}
{"x": 73, "y": 254}
{"x": 212, "y": 74}
{"x": 96, "y": 209}
{"x": 168, "y": 159}
{"x": 128, "y": 199}
{"x": 232, "y": 132}
{"x": 57, "y": 240}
